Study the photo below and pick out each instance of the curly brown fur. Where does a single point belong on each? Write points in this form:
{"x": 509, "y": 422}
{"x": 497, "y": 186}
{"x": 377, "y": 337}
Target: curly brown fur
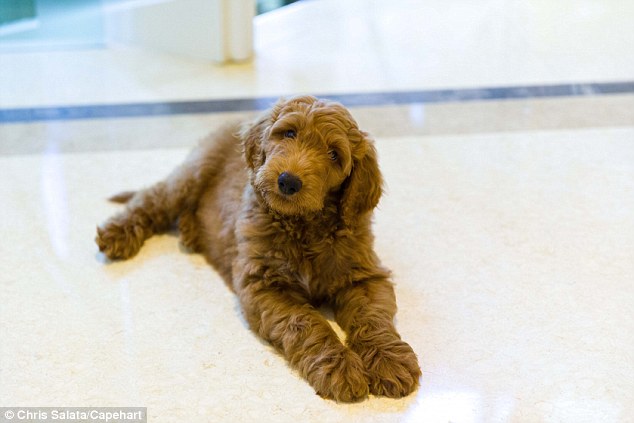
{"x": 281, "y": 208}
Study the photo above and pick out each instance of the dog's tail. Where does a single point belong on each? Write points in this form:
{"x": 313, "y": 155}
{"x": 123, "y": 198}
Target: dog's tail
{"x": 122, "y": 197}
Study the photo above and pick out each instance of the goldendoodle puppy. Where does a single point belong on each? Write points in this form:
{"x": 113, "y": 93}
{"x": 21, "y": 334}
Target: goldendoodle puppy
{"x": 281, "y": 208}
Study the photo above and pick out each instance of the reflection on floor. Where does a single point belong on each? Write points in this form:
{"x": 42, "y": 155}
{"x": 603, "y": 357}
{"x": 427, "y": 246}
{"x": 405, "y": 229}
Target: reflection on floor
{"x": 507, "y": 222}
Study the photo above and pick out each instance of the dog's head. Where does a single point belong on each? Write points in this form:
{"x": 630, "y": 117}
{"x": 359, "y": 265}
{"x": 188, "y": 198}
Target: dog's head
{"x": 305, "y": 150}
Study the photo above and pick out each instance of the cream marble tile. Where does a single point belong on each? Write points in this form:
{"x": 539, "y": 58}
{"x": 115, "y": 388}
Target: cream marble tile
{"x": 518, "y": 115}
{"x": 513, "y": 255}
{"x": 330, "y": 46}
{"x": 91, "y": 135}
{"x": 524, "y": 252}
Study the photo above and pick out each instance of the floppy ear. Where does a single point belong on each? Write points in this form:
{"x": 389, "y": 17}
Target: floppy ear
{"x": 252, "y": 135}
{"x": 362, "y": 189}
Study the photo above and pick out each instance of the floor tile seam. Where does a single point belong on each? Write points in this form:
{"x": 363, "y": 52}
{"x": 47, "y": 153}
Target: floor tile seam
{"x": 381, "y": 98}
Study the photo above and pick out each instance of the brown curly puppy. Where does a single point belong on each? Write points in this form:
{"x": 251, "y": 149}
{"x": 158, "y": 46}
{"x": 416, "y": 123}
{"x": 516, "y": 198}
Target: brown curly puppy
{"x": 282, "y": 210}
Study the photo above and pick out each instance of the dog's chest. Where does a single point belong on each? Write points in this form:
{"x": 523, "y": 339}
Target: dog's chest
{"x": 305, "y": 276}
{"x": 313, "y": 256}
{"x": 319, "y": 269}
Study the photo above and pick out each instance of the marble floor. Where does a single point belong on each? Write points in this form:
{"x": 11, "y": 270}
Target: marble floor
{"x": 507, "y": 219}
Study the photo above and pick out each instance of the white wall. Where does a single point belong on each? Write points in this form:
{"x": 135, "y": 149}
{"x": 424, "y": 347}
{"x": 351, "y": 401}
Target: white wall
{"x": 214, "y": 30}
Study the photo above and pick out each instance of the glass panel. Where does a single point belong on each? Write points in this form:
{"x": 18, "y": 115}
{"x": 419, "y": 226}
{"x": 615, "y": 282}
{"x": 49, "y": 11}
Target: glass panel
{"x": 12, "y": 11}
{"x": 268, "y": 5}
{"x": 57, "y": 24}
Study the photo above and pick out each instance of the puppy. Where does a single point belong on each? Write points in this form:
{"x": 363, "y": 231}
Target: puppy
{"x": 282, "y": 209}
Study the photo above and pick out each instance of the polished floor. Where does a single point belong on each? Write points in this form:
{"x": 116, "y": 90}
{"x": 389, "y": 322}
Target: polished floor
{"x": 507, "y": 219}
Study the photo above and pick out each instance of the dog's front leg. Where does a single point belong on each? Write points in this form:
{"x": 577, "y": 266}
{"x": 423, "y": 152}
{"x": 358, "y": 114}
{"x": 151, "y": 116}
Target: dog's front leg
{"x": 366, "y": 312}
{"x": 296, "y": 329}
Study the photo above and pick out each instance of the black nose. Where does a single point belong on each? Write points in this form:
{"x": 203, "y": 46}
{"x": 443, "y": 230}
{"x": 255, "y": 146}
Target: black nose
{"x": 288, "y": 183}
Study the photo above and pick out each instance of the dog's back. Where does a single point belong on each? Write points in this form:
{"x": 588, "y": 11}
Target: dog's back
{"x": 223, "y": 177}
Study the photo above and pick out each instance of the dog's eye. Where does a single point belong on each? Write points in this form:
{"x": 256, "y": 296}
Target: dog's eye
{"x": 290, "y": 133}
{"x": 333, "y": 155}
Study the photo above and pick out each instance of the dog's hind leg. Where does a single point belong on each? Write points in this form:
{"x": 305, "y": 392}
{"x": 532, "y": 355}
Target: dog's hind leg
{"x": 176, "y": 199}
{"x": 150, "y": 211}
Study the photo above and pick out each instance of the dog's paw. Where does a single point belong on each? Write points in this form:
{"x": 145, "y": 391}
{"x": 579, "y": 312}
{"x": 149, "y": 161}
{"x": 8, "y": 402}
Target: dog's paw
{"x": 344, "y": 380}
{"x": 119, "y": 240}
{"x": 393, "y": 368}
